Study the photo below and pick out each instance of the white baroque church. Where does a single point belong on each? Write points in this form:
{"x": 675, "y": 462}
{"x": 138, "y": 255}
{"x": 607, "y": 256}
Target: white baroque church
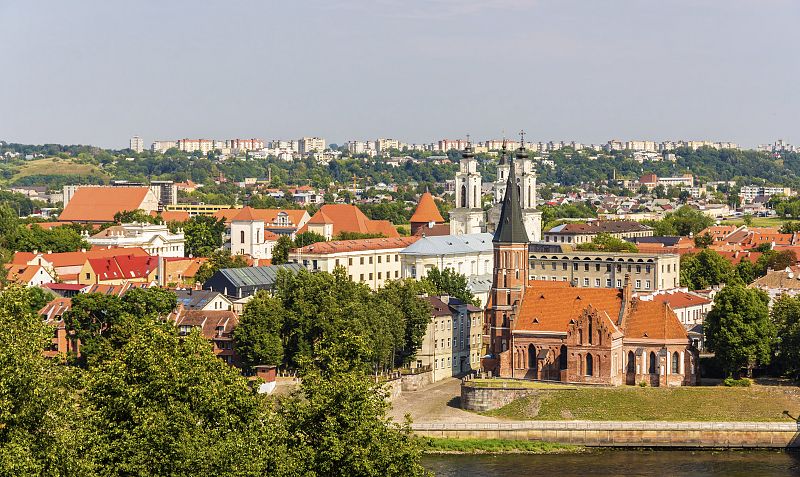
{"x": 469, "y": 216}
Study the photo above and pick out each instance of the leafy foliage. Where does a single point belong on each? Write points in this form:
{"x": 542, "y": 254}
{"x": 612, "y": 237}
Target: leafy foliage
{"x": 258, "y": 335}
{"x": 704, "y": 269}
{"x": 449, "y": 282}
{"x": 786, "y": 316}
{"x": 217, "y": 260}
{"x": 203, "y": 235}
{"x": 684, "y": 221}
{"x": 280, "y": 252}
{"x": 608, "y": 243}
{"x": 739, "y": 330}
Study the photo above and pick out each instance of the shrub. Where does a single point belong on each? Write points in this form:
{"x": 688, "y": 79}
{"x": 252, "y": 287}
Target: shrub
{"x": 642, "y": 384}
{"x": 744, "y": 382}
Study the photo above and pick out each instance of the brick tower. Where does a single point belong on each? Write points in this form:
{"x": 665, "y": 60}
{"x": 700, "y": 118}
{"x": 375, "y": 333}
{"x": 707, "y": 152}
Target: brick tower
{"x": 510, "y": 274}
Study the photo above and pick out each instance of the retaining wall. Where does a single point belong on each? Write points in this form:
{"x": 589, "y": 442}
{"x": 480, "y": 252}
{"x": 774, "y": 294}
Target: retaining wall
{"x": 627, "y": 434}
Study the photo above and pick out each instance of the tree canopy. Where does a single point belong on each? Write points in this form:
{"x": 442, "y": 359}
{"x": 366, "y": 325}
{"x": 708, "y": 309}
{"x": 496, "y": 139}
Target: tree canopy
{"x": 451, "y": 283}
{"x": 604, "y": 242}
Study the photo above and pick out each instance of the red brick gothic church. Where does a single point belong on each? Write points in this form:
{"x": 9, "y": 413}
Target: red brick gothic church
{"x": 553, "y": 331}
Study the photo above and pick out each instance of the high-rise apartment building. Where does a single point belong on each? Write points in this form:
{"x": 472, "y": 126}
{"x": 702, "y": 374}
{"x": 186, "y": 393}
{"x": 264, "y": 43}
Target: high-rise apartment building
{"x": 136, "y": 144}
{"x": 308, "y": 145}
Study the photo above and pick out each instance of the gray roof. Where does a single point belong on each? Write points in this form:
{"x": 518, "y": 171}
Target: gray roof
{"x": 479, "y": 283}
{"x": 450, "y": 244}
{"x": 256, "y": 276}
{"x": 195, "y": 299}
{"x": 510, "y": 227}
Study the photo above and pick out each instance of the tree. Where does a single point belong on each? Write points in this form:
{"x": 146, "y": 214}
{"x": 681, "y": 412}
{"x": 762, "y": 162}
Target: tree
{"x": 704, "y": 269}
{"x": 307, "y": 238}
{"x": 773, "y": 260}
{"x": 703, "y": 241}
{"x": 786, "y": 316}
{"x": 37, "y": 298}
{"x": 131, "y": 216}
{"x": 356, "y": 236}
{"x": 280, "y": 252}
{"x": 449, "y": 282}
{"x": 739, "y": 330}
{"x": 218, "y": 259}
{"x": 748, "y": 219}
{"x": 258, "y": 335}
{"x": 337, "y": 420}
{"x": 40, "y": 432}
{"x": 746, "y": 271}
{"x": 416, "y": 314}
{"x": 203, "y": 235}
{"x": 604, "y": 242}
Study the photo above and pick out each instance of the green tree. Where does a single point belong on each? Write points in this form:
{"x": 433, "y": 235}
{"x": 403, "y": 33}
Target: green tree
{"x": 786, "y": 316}
{"x": 131, "y": 216}
{"x": 307, "y": 238}
{"x": 356, "y": 236}
{"x": 449, "y": 282}
{"x": 218, "y": 260}
{"x": 703, "y": 241}
{"x": 40, "y": 432}
{"x": 337, "y": 420}
{"x": 203, "y": 235}
{"x": 38, "y": 297}
{"x": 704, "y": 269}
{"x": 258, "y": 335}
{"x": 738, "y": 329}
{"x": 604, "y": 242}
{"x": 746, "y": 271}
{"x": 774, "y": 260}
{"x": 404, "y": 295}
{"x": 280, "y": 252}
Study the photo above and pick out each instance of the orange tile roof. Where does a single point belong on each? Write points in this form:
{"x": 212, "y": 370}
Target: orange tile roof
{"x": 552, "y": 309}
{"x": 426, "y": 210}
{"x": 123, "y": 267}
{"x": 21, "y": 274}
{"x": 338, "y": 246}
{"x": 172, "y": 215}
{"x": 269, "y": 216}
{"x": 53, "y": 311}
{"x": 66, "y": 259}
{"x": 349, "y": 218}
{"x": 536, "y": 284}
{"x": 681, "y": 300}
{"x": 99, "y": 204}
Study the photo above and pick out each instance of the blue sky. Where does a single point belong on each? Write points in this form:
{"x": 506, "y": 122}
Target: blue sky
{"x": 98, "y": 72}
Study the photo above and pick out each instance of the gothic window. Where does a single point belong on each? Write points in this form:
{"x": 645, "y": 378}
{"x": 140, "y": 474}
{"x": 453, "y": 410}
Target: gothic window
{"x": 580, "y": 336}
{"x": 590, "y": 331}
{"x": 475, "y": 197}
{"x": 652, "y": 368}
{"x": 676, "y": 359}
{"x": 531, "y": 356}
{"x": 463, "y": 196}
{"x": 562, "y": 358}
{"x": 631, "y": 362}
{"x": 589, "y": 365}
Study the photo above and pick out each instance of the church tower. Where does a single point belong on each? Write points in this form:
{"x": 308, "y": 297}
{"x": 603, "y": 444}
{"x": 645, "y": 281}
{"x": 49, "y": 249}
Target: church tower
{"x": 510, "y": 244}
{"x": 468, "y": 216}
{"x": 525, "y": 171}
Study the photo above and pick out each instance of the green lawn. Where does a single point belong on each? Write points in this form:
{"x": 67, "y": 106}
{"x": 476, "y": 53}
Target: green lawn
{"x": 517, "y": 383}
{"x": 718, "y": 403}
{"x": 757, "y": 222}
{"x": 435, "y": 445}
{"x": 54, "y": 165}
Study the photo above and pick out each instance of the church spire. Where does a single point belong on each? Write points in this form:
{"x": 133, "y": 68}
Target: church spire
{"x": 510, "y": 227}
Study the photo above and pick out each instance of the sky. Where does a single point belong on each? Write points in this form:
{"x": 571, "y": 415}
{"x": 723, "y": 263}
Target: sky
{"x": 99, "y": 71}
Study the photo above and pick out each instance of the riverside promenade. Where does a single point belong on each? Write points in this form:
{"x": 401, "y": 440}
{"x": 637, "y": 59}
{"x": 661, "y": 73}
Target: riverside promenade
{"x": 436, "y": 412}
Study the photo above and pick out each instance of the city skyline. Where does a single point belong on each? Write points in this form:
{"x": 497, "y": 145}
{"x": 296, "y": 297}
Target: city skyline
{"x": 409, "y": 70}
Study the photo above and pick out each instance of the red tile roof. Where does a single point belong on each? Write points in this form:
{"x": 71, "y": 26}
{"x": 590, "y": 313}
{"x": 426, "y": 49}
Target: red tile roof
{"x": 123, "y": 267}
{"x": 349, "y": 218}
{"x": 99, "y": 204}
{"x": 172, "y": 215}
{"x": 679, "y": 300}
{"x": 426, "y": 210}
{"x": 338, "y": 246}
{"x": 66, "y": 259}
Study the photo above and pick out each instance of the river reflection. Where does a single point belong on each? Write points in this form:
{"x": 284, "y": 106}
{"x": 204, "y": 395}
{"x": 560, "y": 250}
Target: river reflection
{"x": 620, "y": 462}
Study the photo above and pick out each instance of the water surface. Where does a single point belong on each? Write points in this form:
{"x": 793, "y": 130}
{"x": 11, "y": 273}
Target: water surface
{"x": 621, "y": 462}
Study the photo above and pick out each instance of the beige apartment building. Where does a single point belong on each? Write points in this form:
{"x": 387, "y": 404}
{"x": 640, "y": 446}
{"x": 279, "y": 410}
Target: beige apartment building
{"x": 453, "y": 339}
{"x": 578, "y": 233}
{"x": 371, "y": 261}
{"x": 647, "y": 272}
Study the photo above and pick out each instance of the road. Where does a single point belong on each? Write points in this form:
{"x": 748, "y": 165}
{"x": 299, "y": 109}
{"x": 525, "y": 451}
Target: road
{"x": 439, "y": 402}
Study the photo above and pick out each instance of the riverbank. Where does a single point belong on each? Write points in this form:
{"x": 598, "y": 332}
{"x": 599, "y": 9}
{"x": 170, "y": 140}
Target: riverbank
{"x": 435, "y": 446}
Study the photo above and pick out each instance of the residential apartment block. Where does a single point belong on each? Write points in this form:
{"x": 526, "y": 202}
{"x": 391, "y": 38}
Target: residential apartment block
{"x": 453, "y": 339}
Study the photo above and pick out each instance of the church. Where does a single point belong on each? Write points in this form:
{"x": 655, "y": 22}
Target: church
{"x": 469, "y": 216}
{"x": 553, "y": 331}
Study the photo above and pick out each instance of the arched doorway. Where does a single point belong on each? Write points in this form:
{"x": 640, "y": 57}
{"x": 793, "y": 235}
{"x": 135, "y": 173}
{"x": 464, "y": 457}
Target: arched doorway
{"x": 630, "y": 369}
{"x": 652, "y": 368}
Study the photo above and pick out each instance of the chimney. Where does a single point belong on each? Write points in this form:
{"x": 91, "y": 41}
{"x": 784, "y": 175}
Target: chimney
{"x": 627, "y": 297}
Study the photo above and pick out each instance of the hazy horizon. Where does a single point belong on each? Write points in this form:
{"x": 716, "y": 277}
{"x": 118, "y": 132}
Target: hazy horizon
{"x": 98, "y": 72}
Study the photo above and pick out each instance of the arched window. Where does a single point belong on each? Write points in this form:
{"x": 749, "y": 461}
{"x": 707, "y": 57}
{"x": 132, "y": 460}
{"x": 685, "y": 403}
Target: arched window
{"x": 589, "y": 365}
{"x": 475, "y": 197}
{"x": 531, "y": 356}
{"x": 676, "y": 360}
{"x": 530, "y": 197}
{"x": 631, "y": 362}
{"x": 241, "y": 234}
{"x": 463, "y": 196}
{"x": 590, "y": 330}
{"x": 580, "y": 336}
{"x": 652, "y": 368}
{"x": 562, "y": 358}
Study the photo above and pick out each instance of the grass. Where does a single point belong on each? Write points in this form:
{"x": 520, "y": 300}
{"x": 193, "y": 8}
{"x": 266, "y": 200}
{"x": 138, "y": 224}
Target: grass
{"x": 517, "y": 383}
{"x": 717, "y": 403}
{"x": 757, "y": 221}
{"x": 54, "y": 165}
{"x": 437, "y": 445}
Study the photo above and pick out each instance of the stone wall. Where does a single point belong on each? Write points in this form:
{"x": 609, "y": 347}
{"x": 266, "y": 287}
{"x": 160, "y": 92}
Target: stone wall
{"x": 627, "y": 434}
{"x": 486, "y": 399}
{"x": 415, "y": 382}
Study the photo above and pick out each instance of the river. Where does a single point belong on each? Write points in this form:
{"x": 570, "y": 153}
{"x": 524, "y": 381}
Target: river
{"x": 662, "y": 463}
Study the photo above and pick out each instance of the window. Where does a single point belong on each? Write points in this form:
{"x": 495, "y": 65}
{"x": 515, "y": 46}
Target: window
{"x": 562, "y": 358}
{"x": 396, "y": 273}
{"x": 350, "y": 261}
{"x": 586, "y": 282}
{"x": 647, "y": 284}
{"x": 361, "y": 260}
{"x": 647, "y": 268}
{"x": 668, "y": 267}
{"x": 361, "y": 278}
{"x": 638, "y": 269}
{"x": 619, "y": 268}
{"x": 379, "y": 258}
{"x": 638, "y": 284}
{"x": 619, "y": 283}
{"x": 652, "y": 368}
{"x": 370, "y": 276}
{"x": 608, "y": 267}
{"x": 676, "y": 360}
{"x": 597, "y": 283}
{"x": 564, "y": 266}
{"x": 596, "y": 267}
{"x": 575, "y": 266}
{"x": 241, "y": 234}
{"x": 553, "y": 265}
{"x": 585, "y": 267}
{"x": 397, "y": 258}
{"x": 379, "y": 275}
{"x": 608, "y": 283}
{"x": 552, "y": 279}
{"x": 87, "y": 275}
{"x": 370, "y": 260}
{"x": 589, "y": 365}
{"x": 337, "y": 262}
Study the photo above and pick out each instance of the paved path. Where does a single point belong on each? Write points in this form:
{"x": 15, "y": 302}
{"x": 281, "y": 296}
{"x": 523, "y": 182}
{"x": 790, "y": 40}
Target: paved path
{"x": 439, "y": 402}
